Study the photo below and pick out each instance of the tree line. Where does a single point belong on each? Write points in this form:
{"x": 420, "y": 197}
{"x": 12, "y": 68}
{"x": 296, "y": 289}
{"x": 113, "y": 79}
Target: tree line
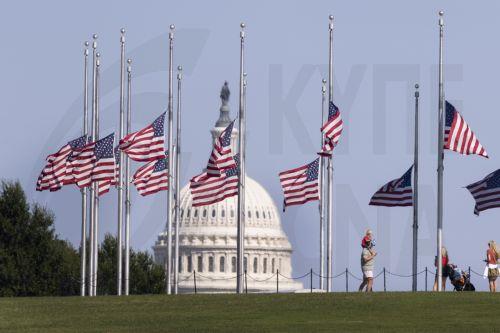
{"x": 34, "y": 261}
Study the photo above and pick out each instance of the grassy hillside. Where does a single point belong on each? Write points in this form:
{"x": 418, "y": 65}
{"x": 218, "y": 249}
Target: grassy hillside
{"x": 353, "y": 312}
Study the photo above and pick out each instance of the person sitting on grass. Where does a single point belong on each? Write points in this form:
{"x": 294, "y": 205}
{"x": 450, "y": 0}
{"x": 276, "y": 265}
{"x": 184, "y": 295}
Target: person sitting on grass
{"x": 446, "y": 269}
{"x": 367, "y": 266}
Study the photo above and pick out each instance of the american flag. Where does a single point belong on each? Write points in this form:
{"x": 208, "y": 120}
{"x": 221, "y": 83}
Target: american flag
{"x": 396, "y": 193}
{"x": 332, "y": 130}
{"x": 486, "y": 192}
{"x": 206, "y": 189}
{"x": 104, "y": 185}
{"x": 152, "y": 177}
{"x": 458, "y": 136}
{"x": 53, "y": 175}
{"x": 221, "y": 157}
{"x": 300, "y": 185}
{"x": 145, "y": 145}
{"x": 94, "y": 162}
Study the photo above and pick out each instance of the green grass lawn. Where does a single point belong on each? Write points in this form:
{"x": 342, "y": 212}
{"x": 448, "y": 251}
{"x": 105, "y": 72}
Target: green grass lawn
{"x": 353, "y": 312}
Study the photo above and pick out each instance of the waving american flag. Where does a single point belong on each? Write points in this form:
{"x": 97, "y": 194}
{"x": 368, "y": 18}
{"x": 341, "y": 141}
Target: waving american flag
{"x": 53, "y": 175}
{"x": 221, "y": 157}
{"x": 332, "y": 130}
{"x": 486, "y": 192}
{"x": 300, "y": 185}
{"x": 152, "y": 177}
{"x": 147, "y": 144}
{"x": 94, "y": 162}
{"x": 206, "y": 189}
{"x": 458, "y": 136}
{"x": 396, "y": 193}
{"x": 104, "y": 185}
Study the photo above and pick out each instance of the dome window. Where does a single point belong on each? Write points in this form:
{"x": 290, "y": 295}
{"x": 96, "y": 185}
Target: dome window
{"x": 190, "y": 264}
{"x": 263, "y": 214}
{"x": 249, "y": 214}
{"x": 232, "y": 213}
{"x": 257, "y": 214}
{"x": 255, "y": 265}
{"x": 182, "y": 213}
{"x": 196, "y": 213}
{"x": 204, "y": 213}
{"x": 200, "y": 264}
{"x": 188, "y": 213}
{"x": 210, "y": 264}
{"x": 264, "y": 266}
{"x": 273, "y": 265}
{"x": 222, "y": 264}
{"x": 233, "y": 264}
{"x": 213, "y": 213}
{"x": 223, "y": 213}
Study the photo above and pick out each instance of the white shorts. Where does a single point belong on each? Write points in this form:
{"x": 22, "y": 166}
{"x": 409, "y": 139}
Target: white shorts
{"x": 368, "y": 274}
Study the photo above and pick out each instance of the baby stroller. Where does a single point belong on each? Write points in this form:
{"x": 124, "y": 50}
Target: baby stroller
{"x": 460, "y": 279}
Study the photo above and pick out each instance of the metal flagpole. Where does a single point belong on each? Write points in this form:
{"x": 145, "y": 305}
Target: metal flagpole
{"x": 92, "y": 186}
{"x": 322, "y": 196}
{"x": 127, "y": 180}
{"x": 96, "y": 188}
{"x": 329, "y": 225}
{"x": 440, "y": 154}
{"x": 177, "y": 181}
{"x": 170, "y": 161}
{"x": 415, "y": 196}
{"x": 83, "y": 242}
{"x": 120, "y": 172}
{"x": 241, "y": 184}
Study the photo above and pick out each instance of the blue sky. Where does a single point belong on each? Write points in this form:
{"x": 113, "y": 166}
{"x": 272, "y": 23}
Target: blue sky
{"x": 381, "y": 49}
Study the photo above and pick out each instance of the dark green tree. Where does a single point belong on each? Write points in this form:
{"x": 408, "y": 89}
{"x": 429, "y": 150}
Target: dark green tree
{"x": 33, "y": 260}
{"x": 146, "y": 277}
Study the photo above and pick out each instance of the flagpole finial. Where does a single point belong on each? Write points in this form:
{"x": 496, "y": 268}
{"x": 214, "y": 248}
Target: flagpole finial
{"x": 245, "y": 79}
{"x": 331, "y": 22}
{"x": 122, "y": 30}
{"x": 86, "y": 43}
{"x": 330, "y": 17}
{"x": 129, "y": 68}
{"x": 323, "y": 86}
{"x": 98, "y": 59}
{"x": 94, "y": 43}
{"x": 179, "y": 74}
{"x": 416, "y": 86}
{"x": 171, "y": 34}
{"x": 122, "y": 37}
{"x": 441, "y": 21}
{"x": 86, "y": 50}
{"x": 242, "y": 32}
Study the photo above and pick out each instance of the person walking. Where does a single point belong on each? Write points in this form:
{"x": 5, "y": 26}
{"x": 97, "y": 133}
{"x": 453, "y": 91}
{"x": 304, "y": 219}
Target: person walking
{"x": 367, "y": 265}
{"x": 445, "y": 260}
{"x": 492, "y": 263}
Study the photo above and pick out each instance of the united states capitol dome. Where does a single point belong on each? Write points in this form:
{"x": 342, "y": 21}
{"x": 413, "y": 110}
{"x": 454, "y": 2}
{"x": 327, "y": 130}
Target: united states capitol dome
{"x": 207, "y": 237}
